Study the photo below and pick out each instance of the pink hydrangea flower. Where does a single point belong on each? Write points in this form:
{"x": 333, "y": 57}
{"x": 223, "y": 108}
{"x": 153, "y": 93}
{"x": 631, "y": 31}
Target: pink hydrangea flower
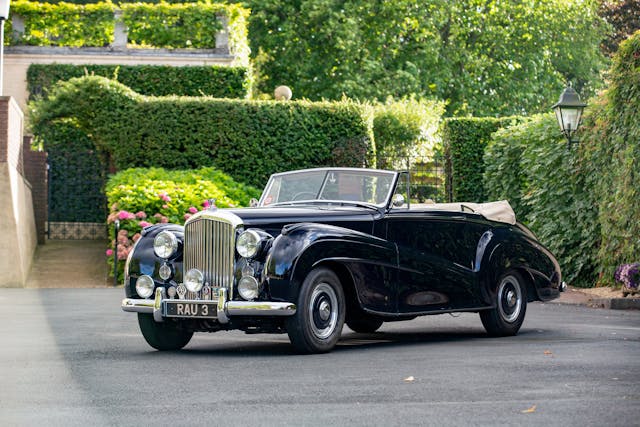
{"x": 136, "y": 237}
{"x": 123, "y": 252}
{"x": 141, "y": 215}
{"x": 157, "y": 216}
{"x": 164, "y": 197}
{"x": 193, "y": 210}
{"x": 187, "y": 216}
{"x": 206, "y": 204}
{"x": 144, "y": 224}
{"x": 164, "y": 220}
{"x": 112, "y": 217}
{"x": 165, "y": 206}
{"x": 124, "y": 215}
{"x": 109, "y": 252}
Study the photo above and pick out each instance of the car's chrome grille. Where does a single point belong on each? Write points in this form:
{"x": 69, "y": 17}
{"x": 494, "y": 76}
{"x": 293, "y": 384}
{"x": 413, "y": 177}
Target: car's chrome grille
{"x": 209, "y": 246}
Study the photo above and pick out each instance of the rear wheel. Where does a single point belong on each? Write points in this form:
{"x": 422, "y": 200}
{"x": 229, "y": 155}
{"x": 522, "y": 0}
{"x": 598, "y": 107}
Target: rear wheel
{"x": 511, "y": 305}
{"x": 319, "y": 318}
{"x": 162, "y": 336}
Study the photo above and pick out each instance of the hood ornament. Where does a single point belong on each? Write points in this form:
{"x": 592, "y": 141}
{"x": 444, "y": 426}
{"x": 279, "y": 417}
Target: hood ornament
{"x": 210, "y": 204}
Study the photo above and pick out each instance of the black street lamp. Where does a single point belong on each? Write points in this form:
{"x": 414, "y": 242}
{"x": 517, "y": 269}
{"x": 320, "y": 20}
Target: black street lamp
{"x": 569, "y": 112}
{"x": 4, "y": 14}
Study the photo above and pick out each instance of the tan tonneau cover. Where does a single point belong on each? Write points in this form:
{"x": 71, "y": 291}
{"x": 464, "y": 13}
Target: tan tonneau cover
{"x": 500, "y": 211}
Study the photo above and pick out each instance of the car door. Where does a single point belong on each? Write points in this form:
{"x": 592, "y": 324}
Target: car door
{"x": 436, "y": 256}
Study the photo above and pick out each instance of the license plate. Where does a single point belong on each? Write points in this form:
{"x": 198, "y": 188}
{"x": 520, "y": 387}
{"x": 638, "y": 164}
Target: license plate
{"x": 205, "y": 310}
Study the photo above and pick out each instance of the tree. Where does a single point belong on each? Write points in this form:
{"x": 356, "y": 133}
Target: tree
{"x": 483, "y": 57}
{"x": 624, "y": 16}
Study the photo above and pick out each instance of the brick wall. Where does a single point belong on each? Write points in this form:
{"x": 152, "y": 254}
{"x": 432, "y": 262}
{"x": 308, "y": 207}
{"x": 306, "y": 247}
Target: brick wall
{"x": 35, "y": 170}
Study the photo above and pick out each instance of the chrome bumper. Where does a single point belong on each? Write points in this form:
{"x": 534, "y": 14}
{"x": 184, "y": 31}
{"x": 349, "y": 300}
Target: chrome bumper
{"x": 224, "y": 310}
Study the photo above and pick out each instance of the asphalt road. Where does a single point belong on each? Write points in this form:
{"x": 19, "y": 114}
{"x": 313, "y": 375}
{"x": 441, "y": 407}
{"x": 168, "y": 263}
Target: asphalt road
{"x": 72, "y": 357}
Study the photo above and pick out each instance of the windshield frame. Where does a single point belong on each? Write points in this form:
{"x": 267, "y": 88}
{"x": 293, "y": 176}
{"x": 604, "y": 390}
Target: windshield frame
{"x": 326, "y": 171}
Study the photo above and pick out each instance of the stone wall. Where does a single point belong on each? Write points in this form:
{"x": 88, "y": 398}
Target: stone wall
{"x": 17, "y": 221}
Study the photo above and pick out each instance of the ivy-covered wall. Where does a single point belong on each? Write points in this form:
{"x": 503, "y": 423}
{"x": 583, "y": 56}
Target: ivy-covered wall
{"x": 583, "y": 202}
{"x": 610, "y": 153}
{"x": 530, "y": 166}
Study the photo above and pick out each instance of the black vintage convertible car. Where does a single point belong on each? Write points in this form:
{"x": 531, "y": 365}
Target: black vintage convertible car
{"x": 329, "y": 246}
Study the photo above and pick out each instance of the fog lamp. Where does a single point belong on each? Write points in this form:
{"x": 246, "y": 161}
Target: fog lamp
{"x": 248, "y": 288}
{"x": 145, "y": 286}
{"x": 194, "y": 280}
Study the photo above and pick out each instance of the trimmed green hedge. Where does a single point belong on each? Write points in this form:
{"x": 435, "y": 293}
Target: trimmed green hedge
{"x": 159, "y": 25}
{"x": 464, "y": 142}
{"x": 249, "y": 140}
{"x": 62, "y": 24}
{"x": 529, "y": 165}
{"x": 153, "y": 80}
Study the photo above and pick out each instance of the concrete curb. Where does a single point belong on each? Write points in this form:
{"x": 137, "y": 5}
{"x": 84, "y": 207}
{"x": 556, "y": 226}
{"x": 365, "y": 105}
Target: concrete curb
{"x": 574, "y": 296}
{"x": 618, "y": 303}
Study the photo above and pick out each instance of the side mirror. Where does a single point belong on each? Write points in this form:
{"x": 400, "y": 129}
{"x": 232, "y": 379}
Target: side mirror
{"x": 253, "y": 202}
{"x": 398, "y": 200}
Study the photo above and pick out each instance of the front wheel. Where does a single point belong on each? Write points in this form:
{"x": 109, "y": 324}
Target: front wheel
{"x": 319, "y": 318}
{"x": 162, "y": 336}
{"x": 511, "y": 305}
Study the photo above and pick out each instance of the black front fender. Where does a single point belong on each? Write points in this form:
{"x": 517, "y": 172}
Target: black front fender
{"x": 302, "y": 247}
{"x": 143, "y": 260}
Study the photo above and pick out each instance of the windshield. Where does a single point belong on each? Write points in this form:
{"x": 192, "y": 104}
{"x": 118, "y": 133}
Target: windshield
{"x": 368, "y": 186}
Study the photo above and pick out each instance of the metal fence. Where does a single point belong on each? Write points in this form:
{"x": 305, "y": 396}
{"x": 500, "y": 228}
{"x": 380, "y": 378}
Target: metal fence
{"x": 427, "y": 176}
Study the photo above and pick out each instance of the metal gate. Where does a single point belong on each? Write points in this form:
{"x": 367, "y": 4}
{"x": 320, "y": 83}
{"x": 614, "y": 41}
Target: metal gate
{"x": 427, "y": 176}
{"x": 77, "y": 207}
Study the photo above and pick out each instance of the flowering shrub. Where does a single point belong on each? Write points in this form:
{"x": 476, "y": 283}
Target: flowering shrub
{"x": 628, "y": 275}
{"x": 143, "y": 197}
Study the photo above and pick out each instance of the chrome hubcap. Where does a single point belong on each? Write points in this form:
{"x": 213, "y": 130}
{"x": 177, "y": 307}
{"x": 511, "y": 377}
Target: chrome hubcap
{"x": 323, "y": 310}
{"x": 509, "y": 299}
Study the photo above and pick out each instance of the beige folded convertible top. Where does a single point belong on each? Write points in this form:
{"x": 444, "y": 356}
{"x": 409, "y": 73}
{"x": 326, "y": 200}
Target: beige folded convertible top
{"x": 500, "y": 211}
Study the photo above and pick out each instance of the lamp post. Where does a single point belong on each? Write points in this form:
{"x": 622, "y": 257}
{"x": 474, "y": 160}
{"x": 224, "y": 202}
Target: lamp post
{"x": 568, "y": 111}
{"x": 4, "y": 14}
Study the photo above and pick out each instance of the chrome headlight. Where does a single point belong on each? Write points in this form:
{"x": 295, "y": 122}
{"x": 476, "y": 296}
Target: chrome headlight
{"x": 248, "y": 288}
{"x": 165, "y": 244}
{"x": 249, "y": 244}
{"x": 145, "y": 286}
{"x": 194, "y": 280}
